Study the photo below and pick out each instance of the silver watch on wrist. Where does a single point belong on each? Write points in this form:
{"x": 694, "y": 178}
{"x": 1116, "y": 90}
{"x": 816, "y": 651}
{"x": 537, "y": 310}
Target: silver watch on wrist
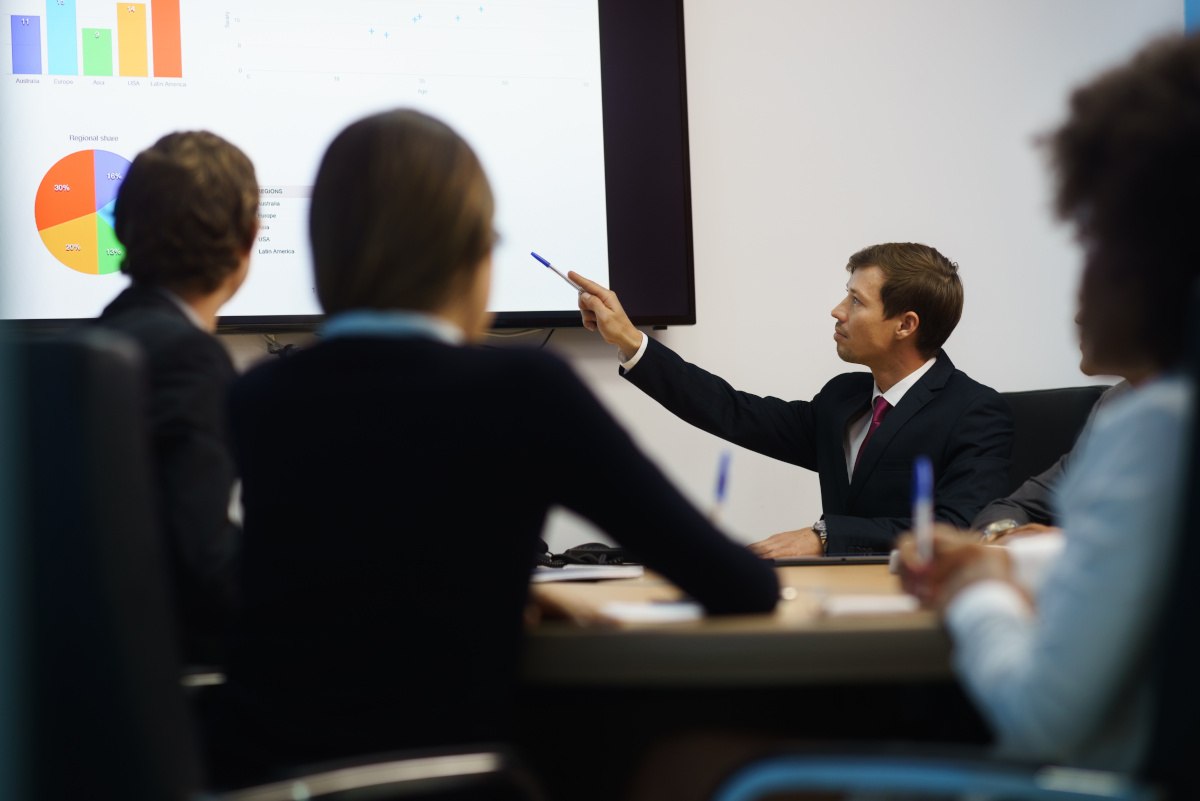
{"x": 994, "y": 530}
{"x": 822, "y": 532}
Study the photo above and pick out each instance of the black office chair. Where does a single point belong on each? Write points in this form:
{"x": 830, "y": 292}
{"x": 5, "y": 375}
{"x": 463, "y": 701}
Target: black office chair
{"x": 105, "y": 714}
{"x": 1047, "y": 423}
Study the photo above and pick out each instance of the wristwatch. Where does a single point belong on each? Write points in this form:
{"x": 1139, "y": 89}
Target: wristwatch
{"x": 819, "y": 528}
{"x": 993, "y": 531}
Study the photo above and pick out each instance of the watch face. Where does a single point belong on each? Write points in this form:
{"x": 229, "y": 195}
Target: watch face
{"x": 993, "y": 530}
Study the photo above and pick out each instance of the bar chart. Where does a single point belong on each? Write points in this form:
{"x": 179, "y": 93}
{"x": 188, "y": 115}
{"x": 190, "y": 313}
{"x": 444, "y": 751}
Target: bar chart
{"x": 147, "y": 41}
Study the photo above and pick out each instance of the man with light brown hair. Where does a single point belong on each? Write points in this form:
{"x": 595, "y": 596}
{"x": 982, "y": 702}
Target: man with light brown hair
{"x": 862, "y": 430}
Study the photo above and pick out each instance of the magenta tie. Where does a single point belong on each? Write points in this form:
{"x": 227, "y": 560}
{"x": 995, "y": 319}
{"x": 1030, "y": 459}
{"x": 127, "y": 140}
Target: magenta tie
{"x": 882, "y": 407}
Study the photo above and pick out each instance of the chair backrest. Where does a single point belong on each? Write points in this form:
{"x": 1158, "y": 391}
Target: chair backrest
{"x": 105, "y": 713}
{"x": 1048, "y": 422}
{"x": 1175, "y": 744}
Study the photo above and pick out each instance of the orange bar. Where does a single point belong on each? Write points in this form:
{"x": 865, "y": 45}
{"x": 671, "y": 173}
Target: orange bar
{"x": 168, "y": 54}
{"x": 132, "y": 53}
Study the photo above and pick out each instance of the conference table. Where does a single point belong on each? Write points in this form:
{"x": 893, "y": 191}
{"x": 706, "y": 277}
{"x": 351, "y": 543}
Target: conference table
{"x": 607, "y": 695}
{"x": 811, "y": 638}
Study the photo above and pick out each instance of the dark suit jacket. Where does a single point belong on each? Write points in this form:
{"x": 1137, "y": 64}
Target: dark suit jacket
{"x": 965, "y": 429}
{"x": 189, "y": 374}
{"x": 394, "y": 492}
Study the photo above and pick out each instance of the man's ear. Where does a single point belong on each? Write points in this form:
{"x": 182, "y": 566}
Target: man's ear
{"x": 907, "y": 325}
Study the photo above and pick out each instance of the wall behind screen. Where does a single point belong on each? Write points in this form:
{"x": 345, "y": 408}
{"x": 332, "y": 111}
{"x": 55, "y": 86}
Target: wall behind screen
{"x": 818, "y": 127}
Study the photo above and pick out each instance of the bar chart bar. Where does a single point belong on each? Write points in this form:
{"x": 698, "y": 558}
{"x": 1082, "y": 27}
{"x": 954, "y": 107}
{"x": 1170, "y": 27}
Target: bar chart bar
{"x": 168, "y": 53}
{"x": 26, "y": 45}
{"x": 97, "y": 51}
{"x": 132, "y": 53}
{"x": 61, "y": 50}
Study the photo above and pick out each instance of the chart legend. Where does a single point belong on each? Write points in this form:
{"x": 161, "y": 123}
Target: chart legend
{"x": 74, "y": 211}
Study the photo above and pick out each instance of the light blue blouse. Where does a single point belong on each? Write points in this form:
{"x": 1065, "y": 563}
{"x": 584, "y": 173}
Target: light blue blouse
{"x": 393, "y": 324}
{"x": 1070, "y": 681}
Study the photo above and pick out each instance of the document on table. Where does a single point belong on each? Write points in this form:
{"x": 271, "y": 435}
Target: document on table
{"x": 836, "y": 605}
{"x": 652, "y": 612}
{"x": 585, "y": 573}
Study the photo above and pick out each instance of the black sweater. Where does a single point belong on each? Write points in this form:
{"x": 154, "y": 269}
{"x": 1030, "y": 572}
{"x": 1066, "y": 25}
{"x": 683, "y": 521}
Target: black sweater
{"x": 394, "y": 492}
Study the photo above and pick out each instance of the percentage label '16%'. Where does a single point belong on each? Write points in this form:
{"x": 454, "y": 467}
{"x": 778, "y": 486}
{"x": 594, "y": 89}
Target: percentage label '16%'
{"x": 114, "y": 176}
{"x": 73, "y": 247}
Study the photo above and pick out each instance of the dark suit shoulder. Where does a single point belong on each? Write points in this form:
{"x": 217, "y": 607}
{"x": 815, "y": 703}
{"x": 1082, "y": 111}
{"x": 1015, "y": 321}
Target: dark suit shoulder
{"x": 968, "y": 388}
{"x": 168, "y": 338}
{"x": 847, "y": 384}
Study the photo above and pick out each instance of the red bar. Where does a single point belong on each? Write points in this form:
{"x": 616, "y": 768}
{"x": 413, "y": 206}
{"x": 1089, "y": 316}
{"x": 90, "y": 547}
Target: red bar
{"x": 168, "y": 53}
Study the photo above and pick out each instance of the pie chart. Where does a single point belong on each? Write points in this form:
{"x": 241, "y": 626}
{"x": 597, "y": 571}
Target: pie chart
{"x": 74, "y": 211}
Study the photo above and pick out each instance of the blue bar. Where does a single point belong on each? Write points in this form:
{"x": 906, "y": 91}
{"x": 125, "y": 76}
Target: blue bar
{"x": 26, "y": 45}
{"x": 61, "y": 38}
{"x": 1191, "y": 15}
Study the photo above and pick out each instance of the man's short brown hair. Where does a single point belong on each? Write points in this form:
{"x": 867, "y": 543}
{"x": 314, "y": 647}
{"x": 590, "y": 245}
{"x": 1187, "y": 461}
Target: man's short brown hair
{"x": 916, "y": 278}
{"x": 401, "y": 211}
{"x": 187, "y": 212}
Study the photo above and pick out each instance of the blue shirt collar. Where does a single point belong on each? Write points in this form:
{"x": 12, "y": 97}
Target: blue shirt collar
{"x": 391, "y": 324}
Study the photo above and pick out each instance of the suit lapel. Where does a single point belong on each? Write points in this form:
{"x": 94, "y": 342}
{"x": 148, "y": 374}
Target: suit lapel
{"x": 849, "y": 408}
{"x": 914, "y": 400}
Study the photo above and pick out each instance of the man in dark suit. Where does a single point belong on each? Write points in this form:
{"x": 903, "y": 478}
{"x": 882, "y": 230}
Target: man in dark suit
{"x": 187, "y": 217}
{"x": 862, "y": 431}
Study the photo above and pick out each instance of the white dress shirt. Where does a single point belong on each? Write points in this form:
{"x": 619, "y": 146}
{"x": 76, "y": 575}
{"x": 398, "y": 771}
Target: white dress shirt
{"x": 856, "y": 427}
{"x": 188, "y": 312}
{"x": 631, "y": 362}
{"x": 1071, "y": 681}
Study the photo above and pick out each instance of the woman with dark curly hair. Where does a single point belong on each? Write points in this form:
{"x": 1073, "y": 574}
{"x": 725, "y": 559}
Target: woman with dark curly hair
{"x": 1055, "y": 644}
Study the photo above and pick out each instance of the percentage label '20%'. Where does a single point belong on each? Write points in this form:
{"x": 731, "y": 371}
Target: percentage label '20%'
{"x": 74, "y": 247}
{"x": 61, "y": 188}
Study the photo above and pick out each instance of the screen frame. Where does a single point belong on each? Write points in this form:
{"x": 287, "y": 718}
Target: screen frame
{"x": 647, "y": 179}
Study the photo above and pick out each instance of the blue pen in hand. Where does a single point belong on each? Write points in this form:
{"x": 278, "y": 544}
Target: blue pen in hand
{"x": 574, "y": 285}
{"x": 922, "y": 509}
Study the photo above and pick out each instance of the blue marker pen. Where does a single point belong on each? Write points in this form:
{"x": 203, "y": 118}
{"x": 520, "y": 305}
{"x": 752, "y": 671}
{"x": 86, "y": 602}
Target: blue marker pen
{"x": 574, "y": 285}
{"x": 922, "y": 507}
{"x": 722, "y": 485}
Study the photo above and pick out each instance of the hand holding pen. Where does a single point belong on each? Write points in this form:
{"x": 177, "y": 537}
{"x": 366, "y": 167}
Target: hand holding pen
{"x": 959, "y": 560}
{"x": 601, "y": 311}
{"x": 938, "y": 561}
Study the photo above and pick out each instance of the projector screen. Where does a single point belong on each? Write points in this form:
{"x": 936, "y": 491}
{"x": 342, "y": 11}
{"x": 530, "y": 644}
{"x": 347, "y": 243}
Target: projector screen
{"x": 93, "y": 82}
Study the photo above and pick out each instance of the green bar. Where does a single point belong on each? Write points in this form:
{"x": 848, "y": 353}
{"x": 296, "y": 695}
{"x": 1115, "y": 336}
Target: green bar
{"x": 97, "y": 51}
